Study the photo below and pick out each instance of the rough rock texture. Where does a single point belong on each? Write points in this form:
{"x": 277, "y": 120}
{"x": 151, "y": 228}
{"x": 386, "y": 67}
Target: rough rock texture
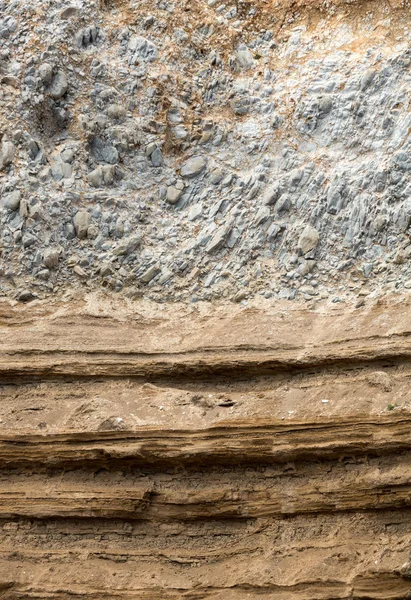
{"x": 230, "y": 417}
{"x": 215, "y": 452}
{"x": 217, "y": 133}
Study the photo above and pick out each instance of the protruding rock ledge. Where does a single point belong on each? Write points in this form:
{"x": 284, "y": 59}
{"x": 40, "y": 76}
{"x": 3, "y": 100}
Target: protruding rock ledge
{"x": 244, "y": 442}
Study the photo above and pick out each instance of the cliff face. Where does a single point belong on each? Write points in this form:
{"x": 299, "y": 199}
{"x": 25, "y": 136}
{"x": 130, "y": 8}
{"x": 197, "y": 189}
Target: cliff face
{"x": 208, "y": 453}
{"x": 155, "y": 155}
{"x": 205, "y": 150}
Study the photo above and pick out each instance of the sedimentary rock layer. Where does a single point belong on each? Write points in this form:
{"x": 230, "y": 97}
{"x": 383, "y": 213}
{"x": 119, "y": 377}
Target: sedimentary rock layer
{"x": 137, "y": 461}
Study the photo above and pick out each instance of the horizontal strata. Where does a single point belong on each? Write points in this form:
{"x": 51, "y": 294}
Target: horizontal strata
{"x": 245, "y": 342}
{"x": 382, "y": 587}
{"x": 211, "y": 493}
{"x": 223, "y": 444}
{"x": 219, "y": 500}
{"x": 307, "y": 556}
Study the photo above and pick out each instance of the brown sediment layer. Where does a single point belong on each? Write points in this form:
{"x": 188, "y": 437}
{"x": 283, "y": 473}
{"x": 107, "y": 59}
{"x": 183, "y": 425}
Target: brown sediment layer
{"x": 275, "y": 464}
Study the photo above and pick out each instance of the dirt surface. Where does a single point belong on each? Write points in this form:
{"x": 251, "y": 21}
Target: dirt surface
{"x": 213, "y": 452}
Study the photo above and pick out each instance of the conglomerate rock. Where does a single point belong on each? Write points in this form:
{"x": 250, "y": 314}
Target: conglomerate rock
{"x": 217, "y": 133}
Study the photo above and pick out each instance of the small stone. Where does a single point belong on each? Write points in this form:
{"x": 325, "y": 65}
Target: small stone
{"x": 306, "y": 267}
{"x": 44, "y": 274}
{"x": 216, "y": 176}
{"x": 80, "y": 272}
{"x": 195, "y": 212}
{"x": 6, "y": 154}
{"x": 367, "y": 269}
{"x": 106, "y": 269}
{"x": 141, "y": 49}
{"x": 112, "y": 424}
{"x": 29, "y": 240}
{"x": 173, "y": 194}
{"x": 380, "y": 379}
{"x": 271, "y": 195}
{"x": 59, "y": 85}
{"x": 81, "y": 223}
{"x": 51, "y": 258}
{"x": 242, "y": 295}
{"x": 61, "y": 170}
{"x": 308, "y": 240}
{"x": 104, "y": 152}
{"x": 151, "y": 272}
{"x": 12, "y": 201}
{"x": 26, "y": 296}
{"x": 218, "y": 238}
{"x": 95, "y": 178}
{"x": 127, "y": 246}
{"x": 245, "y": 58}
{"x": 69, "y": 12}
{"x": 92, "y": 232}
{"x": 283, "y": 204}
{"x": 45, "y": 72}
{"x": 166, "y": 274}
{"x": 193, "y": 167}
{"x": 262, "y": 215}
{"x": 240, "y": 106}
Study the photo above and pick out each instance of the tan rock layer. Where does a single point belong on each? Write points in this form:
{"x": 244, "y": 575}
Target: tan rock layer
{"x": 309, "y": 508}
{"x": 384, "y": 586}
{"x": 245, "y": 442}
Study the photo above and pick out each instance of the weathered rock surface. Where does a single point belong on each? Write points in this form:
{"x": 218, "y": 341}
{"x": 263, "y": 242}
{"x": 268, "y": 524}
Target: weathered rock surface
{"x": 217, "y": 134}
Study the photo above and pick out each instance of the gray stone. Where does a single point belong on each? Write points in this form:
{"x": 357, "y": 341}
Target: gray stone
{"x": 240, "y": 106}
{"x": 127, "y": 246}
{"x": 106, "y": 269}
{"x": 273, "y": 231}
{"x": 156, "y": 157}
{"x": 61, "y": 170}
{"x": 12, "y": 201}
{"x": 6, "y": 154}
{"x": 216, "y": 176}
{"x": 87, "y": 36}
{"x": 245, "y": 58}
{"x": 104, "y": 152}
{"x": 193, "y": 167}
{"x": 51, "y": 258}
{"x": 81, "y": 223}
{"x": 283, "y": 204}
{"x": 173, "y": 194}
{"x": 141, "y": 49}
{"x": 219, "y": 238}
{"x": 26, "y": 296}
{"x": 271, "y": 195}
{"x": 306, "y": 266}
{"x": 59, "y": 85}
{"x": 43, "y": 274}
{"x": 101, "y": 176}
{"x": 262, "y": 215}
{"x": 29, "y": 240}
{"x": 150, "y": 273}
{"x": 95, "y": 178}
{"x": 80, "y": 272}
{"x": 45, "y": 73}
{"x": 195, "y": 212}
{"x": 367, "y": 269}
{"x": 308, "y": 240}
{"x": 92, "y": 232}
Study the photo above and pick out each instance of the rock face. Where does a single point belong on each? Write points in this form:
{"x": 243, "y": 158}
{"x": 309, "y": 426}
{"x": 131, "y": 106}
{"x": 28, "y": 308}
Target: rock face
{"x": 205, "y": 217}
{"x": 150, "y": 454}
{"x": 215, "y": 134}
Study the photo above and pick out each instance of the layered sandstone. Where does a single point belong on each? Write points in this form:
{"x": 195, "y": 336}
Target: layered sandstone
{"x": 211, "y": 453}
